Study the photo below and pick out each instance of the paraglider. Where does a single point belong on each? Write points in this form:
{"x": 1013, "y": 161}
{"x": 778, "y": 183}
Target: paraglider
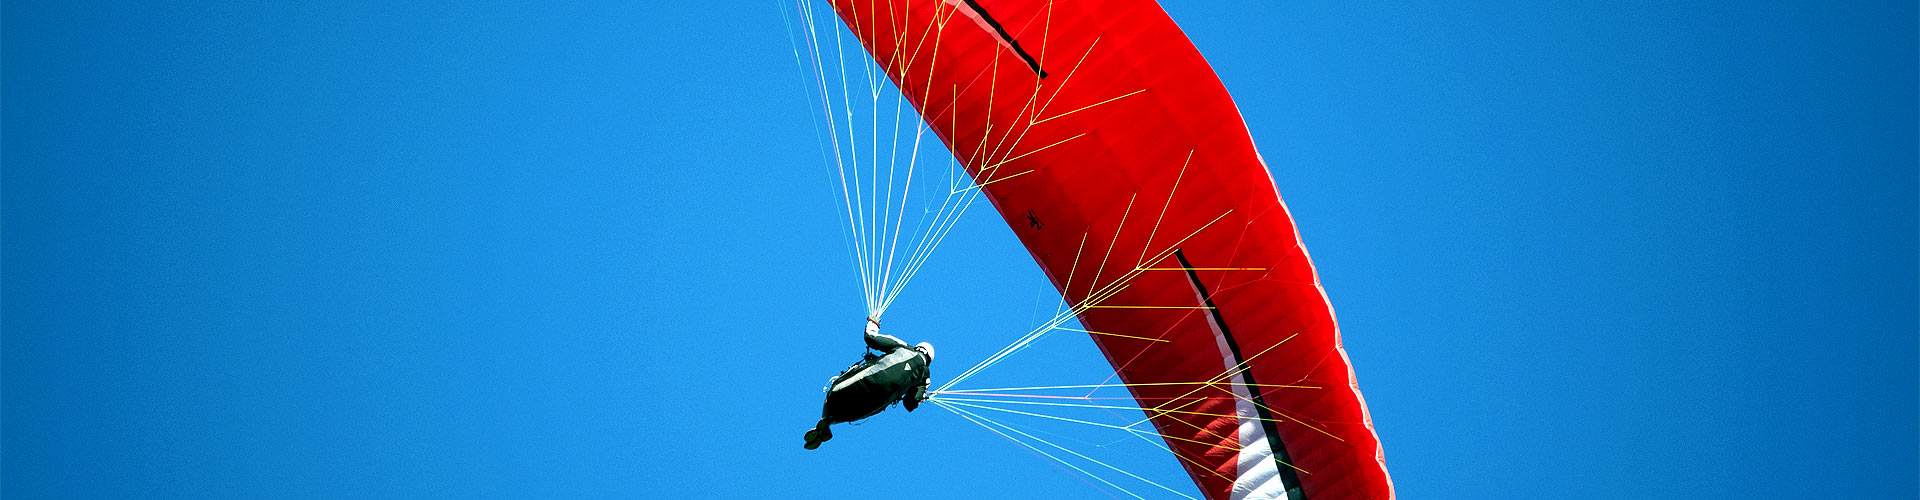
{"x": 899, "y": 374}
{"x": 1116, "y": 156}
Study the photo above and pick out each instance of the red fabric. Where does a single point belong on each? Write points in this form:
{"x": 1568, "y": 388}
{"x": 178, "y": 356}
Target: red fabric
{"x": 961, "y": 76}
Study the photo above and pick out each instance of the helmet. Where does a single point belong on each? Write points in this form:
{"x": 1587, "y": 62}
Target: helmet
{"x": 926, "y": 348}
{"x": 873, "y": 326}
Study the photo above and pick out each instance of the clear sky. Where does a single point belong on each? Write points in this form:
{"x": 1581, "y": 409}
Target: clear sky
{"x": 586, "y": 249}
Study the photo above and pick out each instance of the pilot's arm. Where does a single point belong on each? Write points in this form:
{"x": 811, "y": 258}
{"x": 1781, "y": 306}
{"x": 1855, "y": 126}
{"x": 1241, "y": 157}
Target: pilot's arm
{"x": 885, "y": 343}
{"x": 913, "y": 399}
{"x": 880, "y": 341}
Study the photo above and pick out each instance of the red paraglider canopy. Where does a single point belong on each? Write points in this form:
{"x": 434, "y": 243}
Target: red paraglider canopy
{"x": 1113, "y": 151}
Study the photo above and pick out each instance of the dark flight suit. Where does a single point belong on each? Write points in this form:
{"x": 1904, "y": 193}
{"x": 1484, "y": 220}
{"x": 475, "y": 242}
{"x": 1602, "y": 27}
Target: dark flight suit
{"x": 899, "y": 374}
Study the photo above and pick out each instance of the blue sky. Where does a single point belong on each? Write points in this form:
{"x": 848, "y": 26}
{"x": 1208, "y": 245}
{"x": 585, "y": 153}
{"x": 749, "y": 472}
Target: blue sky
{"x": 589, "y": 249}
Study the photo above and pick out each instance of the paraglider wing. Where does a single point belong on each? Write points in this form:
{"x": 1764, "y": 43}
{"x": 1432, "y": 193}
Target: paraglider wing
{"x": 1108, "y": 144}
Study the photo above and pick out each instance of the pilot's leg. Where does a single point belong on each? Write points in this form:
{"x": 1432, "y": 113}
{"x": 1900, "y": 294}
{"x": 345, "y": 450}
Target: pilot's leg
{"x": 819, "y": 434}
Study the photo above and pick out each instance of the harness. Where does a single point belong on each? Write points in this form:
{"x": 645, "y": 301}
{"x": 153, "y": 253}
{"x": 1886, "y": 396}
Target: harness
{"x": 867, "y": 357}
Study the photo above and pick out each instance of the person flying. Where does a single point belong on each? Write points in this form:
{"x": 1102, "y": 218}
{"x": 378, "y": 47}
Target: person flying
{"x": 898, "y": 374}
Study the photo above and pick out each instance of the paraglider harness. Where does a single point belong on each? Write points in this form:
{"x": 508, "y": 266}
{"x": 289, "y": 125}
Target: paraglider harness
{"x": 868, "y": 358}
